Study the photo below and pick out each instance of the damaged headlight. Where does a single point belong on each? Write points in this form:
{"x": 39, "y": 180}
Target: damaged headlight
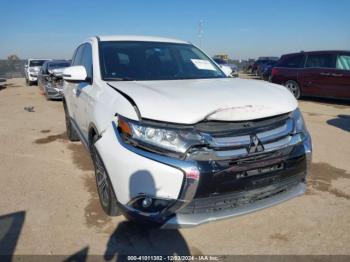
{"x": 158, "y": 138}
{"x": 299, "y": 124}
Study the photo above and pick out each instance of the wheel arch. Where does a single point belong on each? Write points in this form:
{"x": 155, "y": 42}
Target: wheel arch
{"x": 92, "y": 132}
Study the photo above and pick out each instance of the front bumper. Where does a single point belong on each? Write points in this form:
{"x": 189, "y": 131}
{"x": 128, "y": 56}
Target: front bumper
{"x": 53, "y": 91}
{"x": 139, "y": 174}
{"x": 192, "y": 220}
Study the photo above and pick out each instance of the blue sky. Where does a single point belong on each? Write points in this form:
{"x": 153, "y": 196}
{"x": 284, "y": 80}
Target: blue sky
{"x": 242, "y": 29}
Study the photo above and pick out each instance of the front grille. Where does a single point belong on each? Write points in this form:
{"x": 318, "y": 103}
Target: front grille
{"x": 238, "y": 199}
{"x": 248, "y": 158}
{"x": 265, "y": 136}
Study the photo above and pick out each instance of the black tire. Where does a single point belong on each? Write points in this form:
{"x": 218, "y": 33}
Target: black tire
{"x": 294, "y": 88}
{"x": 71, "y": 132}
{"x": 108, "y": 200}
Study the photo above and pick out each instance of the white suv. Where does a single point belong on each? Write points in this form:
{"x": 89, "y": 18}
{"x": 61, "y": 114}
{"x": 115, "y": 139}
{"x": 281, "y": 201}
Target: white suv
{"x": 32, "y": 68}
{"x": 174, "y": 141}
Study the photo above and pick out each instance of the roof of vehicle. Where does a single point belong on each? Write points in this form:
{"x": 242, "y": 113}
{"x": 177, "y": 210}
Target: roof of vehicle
{"x": 140, "y": 38}
{"x": 318, "y": 52}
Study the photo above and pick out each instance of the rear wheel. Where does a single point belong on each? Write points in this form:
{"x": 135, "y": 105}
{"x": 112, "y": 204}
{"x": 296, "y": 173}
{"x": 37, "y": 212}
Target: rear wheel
{"x": 105, "y": 190}
{"x": 71, "y": 132}
{"x": 294, "y": 88}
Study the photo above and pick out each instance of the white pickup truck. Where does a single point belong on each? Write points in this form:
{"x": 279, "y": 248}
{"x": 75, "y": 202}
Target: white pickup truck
{"x": 176, "y": 142}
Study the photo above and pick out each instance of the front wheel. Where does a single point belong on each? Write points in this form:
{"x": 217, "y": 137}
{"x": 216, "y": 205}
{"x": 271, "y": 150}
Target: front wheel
{"x": 294, "y": 88}
{"x": 105, "y": 190}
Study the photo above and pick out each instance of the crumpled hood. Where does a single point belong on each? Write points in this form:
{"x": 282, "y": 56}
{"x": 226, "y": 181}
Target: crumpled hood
{"x": 191, "y": 101}
{"x": 57, "y": 71}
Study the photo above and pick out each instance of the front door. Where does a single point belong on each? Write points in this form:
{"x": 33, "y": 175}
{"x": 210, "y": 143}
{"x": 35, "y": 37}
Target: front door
{"x": 83, "y": 93}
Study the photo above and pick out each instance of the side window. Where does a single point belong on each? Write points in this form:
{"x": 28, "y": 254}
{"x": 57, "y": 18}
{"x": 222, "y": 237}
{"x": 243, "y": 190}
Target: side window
{"x": 343, "y": 62}
{"x": 320, "y": 61}
{"x": 295, "y": 61}
{"x": 77, "y": 59}
{"x": 87, "y": 60}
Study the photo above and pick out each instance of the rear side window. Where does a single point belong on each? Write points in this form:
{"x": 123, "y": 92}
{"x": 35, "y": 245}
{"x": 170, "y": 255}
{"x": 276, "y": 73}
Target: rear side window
{"x": 295, "y": 61}
{"x": 320, "y": 61}
{"x": 343, "y": 62}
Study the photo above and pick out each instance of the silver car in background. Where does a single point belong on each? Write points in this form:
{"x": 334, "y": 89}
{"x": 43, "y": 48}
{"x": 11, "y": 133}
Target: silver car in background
{"x": 50, "y": 79}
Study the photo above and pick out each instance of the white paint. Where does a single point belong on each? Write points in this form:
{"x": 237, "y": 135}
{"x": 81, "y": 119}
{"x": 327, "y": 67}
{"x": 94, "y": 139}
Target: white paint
{"x": 132, "y": 174}
{"x": 191, "y": 101}
{"x": 74, "y": 73}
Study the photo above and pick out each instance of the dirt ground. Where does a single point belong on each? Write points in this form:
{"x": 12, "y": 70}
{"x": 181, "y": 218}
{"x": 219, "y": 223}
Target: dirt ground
{"x": 49, "y": 204}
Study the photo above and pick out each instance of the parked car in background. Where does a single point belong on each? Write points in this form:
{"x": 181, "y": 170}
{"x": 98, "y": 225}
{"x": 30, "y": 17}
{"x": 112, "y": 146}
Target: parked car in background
{"x": 31, "y": 70}
{"x": 233, "y": 67}
{"x": 264, "y": 70}
{"x": 176, "y": 142}
{"x": 2, "y": 82}
{"x": 262, "y": 60}
{"x": 318, "y": 73}
{"x": 50, "y": 79}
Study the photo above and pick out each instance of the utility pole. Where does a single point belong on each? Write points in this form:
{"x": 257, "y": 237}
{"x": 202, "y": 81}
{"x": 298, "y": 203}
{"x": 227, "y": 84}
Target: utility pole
{"x": 200, "y": 32}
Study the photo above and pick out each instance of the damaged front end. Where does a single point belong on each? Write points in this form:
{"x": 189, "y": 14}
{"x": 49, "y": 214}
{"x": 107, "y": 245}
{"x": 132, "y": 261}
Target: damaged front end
{"x": 229, "y": 168}
{"x": 54, "y": 84}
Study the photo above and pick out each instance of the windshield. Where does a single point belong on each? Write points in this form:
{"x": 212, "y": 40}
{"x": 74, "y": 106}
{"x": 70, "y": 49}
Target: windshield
{"x": 58, "y": 65}
{"x": 154, "y": 61}
{"x": 36, "y": 62}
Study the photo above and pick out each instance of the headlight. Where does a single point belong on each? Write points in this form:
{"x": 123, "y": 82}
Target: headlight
{"x": 31, "y": 70}
{"x": 299, "y": 124}
{"x": 153, "y": 137}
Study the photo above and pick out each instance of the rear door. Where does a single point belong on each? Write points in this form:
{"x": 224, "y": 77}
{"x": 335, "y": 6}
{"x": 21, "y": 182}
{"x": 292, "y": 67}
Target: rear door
{"x": 341, "y": 77}
{"x": 316, "y": 77}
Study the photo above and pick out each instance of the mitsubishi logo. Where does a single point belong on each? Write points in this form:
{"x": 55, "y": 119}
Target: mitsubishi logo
{"x": 255, "y": 145}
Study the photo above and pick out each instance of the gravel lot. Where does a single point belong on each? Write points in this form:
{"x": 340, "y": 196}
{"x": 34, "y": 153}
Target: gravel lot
{"x": 48, "y": 188}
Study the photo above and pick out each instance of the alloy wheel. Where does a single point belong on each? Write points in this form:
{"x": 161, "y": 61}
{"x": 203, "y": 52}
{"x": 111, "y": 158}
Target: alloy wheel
{"x": 293, "y": 88}
{"x": 103, "y": 186}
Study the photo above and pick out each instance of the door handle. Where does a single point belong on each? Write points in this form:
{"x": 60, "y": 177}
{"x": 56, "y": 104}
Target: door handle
{"x": 325, "y": 74}
{"x": 337, "y": 75}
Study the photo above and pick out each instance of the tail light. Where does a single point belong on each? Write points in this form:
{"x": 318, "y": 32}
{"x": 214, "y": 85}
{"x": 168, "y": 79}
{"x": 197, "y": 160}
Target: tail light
{"x": 274, "y": 72}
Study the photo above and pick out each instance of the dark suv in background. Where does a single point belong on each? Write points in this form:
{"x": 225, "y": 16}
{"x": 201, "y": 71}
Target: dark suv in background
{"x": 318, "y": 73}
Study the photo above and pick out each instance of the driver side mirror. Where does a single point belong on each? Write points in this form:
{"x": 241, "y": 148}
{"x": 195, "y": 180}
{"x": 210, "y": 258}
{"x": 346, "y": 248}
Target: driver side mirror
{"x": 75, "y": 74}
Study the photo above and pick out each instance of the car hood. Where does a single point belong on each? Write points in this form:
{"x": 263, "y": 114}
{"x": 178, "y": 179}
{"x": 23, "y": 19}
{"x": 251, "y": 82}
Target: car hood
{"x": 191, "y": 101}
{"x": 35, "y": 68}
